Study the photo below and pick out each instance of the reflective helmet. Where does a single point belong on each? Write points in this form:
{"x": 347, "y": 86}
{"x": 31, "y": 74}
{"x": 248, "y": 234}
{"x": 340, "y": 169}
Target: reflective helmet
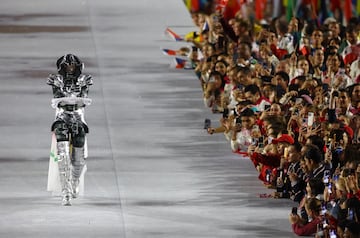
{"x": 69, "y": 65}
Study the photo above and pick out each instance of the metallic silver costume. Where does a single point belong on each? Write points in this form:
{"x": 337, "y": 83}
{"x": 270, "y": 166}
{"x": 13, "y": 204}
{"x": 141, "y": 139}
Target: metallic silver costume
{"x": 70, "y": 90}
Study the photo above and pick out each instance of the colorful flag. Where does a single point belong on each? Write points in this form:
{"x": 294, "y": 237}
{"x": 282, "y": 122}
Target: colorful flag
{"x": 351, "y": 53}
{"x": 203, "y": 6}
{"x": 173, "y": 35}
{"x": 169, "y": 52}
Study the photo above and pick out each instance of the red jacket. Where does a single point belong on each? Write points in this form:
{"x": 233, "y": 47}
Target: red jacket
{"x": 307, "y": 229}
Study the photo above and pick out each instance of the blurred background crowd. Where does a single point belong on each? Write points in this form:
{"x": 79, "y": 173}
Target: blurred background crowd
{"x": 284, "y": 77}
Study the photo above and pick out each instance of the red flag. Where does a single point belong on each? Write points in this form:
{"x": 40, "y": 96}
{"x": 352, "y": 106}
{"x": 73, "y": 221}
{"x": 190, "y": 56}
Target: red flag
{"x": 351, "y": 53}
{"x": 232, "y": 7}
{"x": 220, "y": 5}
{"x": 347, "y": 10}
{"x": 259, "y": 9}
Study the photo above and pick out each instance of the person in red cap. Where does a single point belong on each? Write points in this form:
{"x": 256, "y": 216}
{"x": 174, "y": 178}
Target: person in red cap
{"x": 270, "y": 161}
{"x": 284, "y": 138}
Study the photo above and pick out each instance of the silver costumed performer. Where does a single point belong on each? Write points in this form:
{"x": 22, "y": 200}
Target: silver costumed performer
{"x": 69, "y": 150}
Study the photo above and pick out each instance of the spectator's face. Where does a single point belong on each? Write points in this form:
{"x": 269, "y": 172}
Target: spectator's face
{"x": 355, "y": 96}
{"x": 280, "y": 81}
{"x": 251, "y": 97}
{"x": 351, "y": 37}
{"x": 237, "y": 28}
{"x": 244, "y": 78}
{"x": 283, "y": 66}
{"x": 333, "y": 63}
{"x": 293, "y": 155}
{"x": 317, "y": 38}
{"x": 208, "y": 51}
{"x": 218, "y": 28}
{"x": 217, "y": 81}
{"x": 244, "y": 51}
{"x": 264, "y": 52}
{"x": 334, "y": 28}
{"x": 304, "y": 65}
{"x": 275, "y": 109}
{"x": 247, "y": 122}
{"x": 220, "y": 67}
{"x": 272, "y": 40}
{"x": 280, "y": 147}
{"x": 303, "y": 166}
{"x": 334, "y": 43}
{"x": 344, "y": 100}
{"x": 232, "y": 75}
{"x": 195, "y": 18}
{"x": 309, "y": 164}
{"x": 267, "y": 91}
{"x": 318, "y": 57}
{"x": 230, "y": 48}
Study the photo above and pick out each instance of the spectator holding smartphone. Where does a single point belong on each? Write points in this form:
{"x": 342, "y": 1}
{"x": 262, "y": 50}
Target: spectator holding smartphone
{"x": 307, "y": 228}
{"x": 242, "y": 131}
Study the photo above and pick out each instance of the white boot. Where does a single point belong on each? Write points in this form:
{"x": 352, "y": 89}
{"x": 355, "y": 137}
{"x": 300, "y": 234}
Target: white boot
{"x": 64, "y": 171}
{"x": 78, "y": 163}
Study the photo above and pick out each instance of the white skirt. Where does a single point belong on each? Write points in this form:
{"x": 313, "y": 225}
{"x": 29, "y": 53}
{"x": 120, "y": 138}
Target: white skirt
{"x": 53, "y": 184}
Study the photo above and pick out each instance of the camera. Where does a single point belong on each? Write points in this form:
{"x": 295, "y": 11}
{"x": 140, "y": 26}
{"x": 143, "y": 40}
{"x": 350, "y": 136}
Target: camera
{"x": 207, "y": 123}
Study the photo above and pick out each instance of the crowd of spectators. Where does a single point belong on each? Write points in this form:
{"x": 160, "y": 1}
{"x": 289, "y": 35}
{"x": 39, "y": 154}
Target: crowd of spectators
{"x": 287, "y": 92}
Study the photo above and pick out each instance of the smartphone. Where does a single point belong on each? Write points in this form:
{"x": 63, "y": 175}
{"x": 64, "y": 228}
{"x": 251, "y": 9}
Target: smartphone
{"x": 267, "y": 107}
{"x": 261, "y": 142}
{"x": 304, "y": 122}
{"x": 350, "y": 215}
{"x": 330, "y": 188}
{"x": 226, "y": 113}
{"x": 342, "y": 72}
{"x": 286, "y": 152}
{"x": 332, "y": 234}
{"x": 326, "y": 178}
{"x": 238, "y": 121}
{"x": 207, "y": 123}
{"x": 294, "y": 210}
{"x": 310, "y": 120}
{"x": 254, "y": 141}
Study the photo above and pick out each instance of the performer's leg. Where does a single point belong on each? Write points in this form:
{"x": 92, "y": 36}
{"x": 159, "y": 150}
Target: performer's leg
{"x": 78, "y": 160}
{"x": 63, "y": 153}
